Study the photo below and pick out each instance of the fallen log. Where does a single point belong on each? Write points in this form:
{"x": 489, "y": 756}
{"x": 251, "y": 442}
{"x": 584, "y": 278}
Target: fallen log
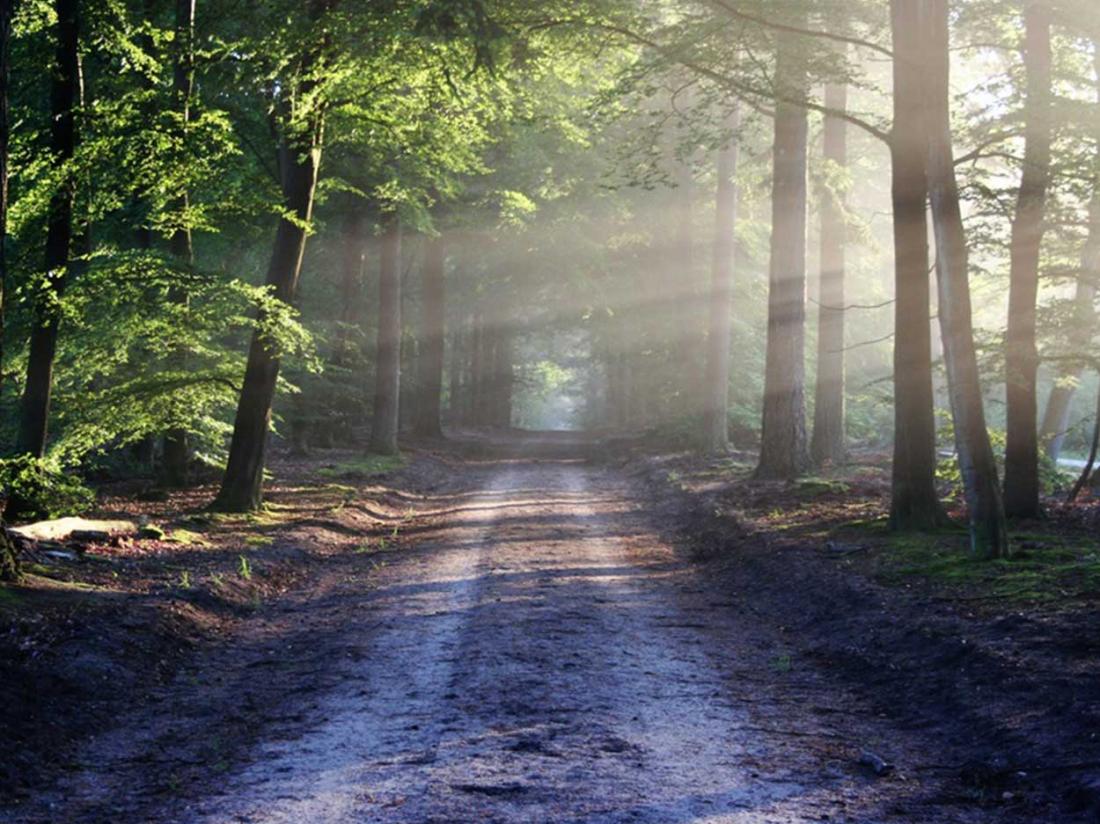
{"x": 76, "y": 529}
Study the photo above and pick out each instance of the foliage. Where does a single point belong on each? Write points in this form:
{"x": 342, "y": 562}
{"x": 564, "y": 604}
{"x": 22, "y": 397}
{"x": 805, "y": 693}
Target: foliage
{"x": 38, "y": 489}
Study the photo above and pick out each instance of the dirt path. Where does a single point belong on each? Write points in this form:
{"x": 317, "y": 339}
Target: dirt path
{"x": 541, "y": 655}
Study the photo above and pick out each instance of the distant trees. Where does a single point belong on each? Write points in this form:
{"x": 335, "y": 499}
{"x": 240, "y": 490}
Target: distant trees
{"x": 193, "y": 152}
{"x": 828, "y": 442}
{"x": 432, "y": 339}
{"x": 387, "y": 382}
{"x": 717, "y": 374}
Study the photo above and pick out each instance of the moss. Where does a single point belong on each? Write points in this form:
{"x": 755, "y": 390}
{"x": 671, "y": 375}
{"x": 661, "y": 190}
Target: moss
{"x": 821, "y": 486}
{"x": 259, "y": 540}
{"x": 185, "y": 537}
{"x": 365, "y": 467}
{"x": 1043, "y": 567}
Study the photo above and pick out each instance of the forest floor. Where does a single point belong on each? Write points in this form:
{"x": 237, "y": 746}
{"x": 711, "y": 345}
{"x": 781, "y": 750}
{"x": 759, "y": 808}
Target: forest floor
{"x": 541, "y": 628}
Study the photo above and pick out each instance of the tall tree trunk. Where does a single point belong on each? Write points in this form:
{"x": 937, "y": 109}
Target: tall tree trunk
{"x": 477, "y": 368}
{"x": 432, "y": 340}
{"x": 177, "y": 453}
{"x": 64, "y": 93}
{"x": 688, "y": 346}
{"x": 828, "y": 443}
{"x": 6, "y": 11}
{"x": 717, "y": 389}
{"x": 988, "y": 533}
{"x": 387, "y": 383}
{"x": 784, "y": 453}
{"x": 299, "y": 167}
{"x": 1056, "y": 418}
{"x": 914, "y": 504}
{"x": 9, "y": 558}
{"x": 1021, "y": 486}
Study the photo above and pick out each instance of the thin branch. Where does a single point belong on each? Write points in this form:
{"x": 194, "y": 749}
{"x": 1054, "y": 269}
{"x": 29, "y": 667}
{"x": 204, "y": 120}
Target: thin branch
{"x": 882, "y": 305}
{"x": 883, "y": 339}
{"x": 826, "y": 35}
{"x": 744, "y": 92}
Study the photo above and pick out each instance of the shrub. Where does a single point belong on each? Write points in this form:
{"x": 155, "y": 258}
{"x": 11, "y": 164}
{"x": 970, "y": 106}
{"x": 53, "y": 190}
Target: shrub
{"x": 37, "y": 489}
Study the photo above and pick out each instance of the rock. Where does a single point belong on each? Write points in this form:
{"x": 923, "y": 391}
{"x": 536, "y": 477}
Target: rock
{"x": 151, "y": 532}
{"x": 876, "y": 764}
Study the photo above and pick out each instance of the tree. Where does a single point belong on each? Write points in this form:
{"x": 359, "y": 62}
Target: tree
{"x": 432, "y": 339}
{"x": 784, "y": 453}
{"x": 1083, "y": 317}
{"x": 176, "y": 450}
{"x": 64, "y": 95}
{"x": 988, "y": 533}
{"x": 828, "y": 443}
{"x": 9, "y": 560}
{"x": 716, "y": 410}
{"x": 300, "y": 120}
{"x": 914, "y": 503}
{"x": 1021, "y": 483}
{"x": 387, "y": 382}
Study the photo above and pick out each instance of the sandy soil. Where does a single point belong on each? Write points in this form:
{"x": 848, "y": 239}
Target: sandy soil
{"x": 535, "y": 652}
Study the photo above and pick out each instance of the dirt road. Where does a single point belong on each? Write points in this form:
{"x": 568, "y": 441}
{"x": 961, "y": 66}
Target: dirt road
{"x": 541, "y": 655}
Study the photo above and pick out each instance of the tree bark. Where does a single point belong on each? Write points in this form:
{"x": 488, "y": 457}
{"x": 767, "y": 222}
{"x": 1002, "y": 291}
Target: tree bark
{"x": 914, "y": 504}
{"x": 387, "y": 382}
{"x": 9, "y": 558}
{"x": 64, "y": 94}
{"x": 988, "y": 533}
{"x": 1056, "y": 418}
{"x": 1021, "y": 484}
{"x": 432, "y": 340}
{"x": 6, "y": 12}
{"x": 784, "y": 453}
{"x": 177, "y": 452}
{"x": 828, "y": 443}
{"x": 716, "y": 412}
{"x": 299, "y": 167}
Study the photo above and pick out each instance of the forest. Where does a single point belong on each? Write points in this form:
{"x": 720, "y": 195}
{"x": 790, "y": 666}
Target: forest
{"x": 591, "y": 410}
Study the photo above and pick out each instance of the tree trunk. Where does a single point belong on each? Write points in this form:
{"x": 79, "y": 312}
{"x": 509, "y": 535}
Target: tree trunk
{"x": 1021, "y": 485}
{"x": 828, "y": 443}
{"x": 784, "y": 453}
{"x": 177, "y": 453}
{"x": 9, "y": 558}
{"x": 684, "y": 308}
{"x": 716, "y": 411}
{"x": 914, "y": 504}
{"x": 6, "y": 11}
{"x": 299, "y": 166}
{"x": 988, "y": 533}
{"x": 432, "y": 340}
{"x": 1056, "y": 419}
{"x": 387, "y": 382}
{"x": 64, "y": 93}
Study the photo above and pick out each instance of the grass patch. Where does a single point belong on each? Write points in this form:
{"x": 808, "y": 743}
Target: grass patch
{"x": 365, "y": 467}
{"x": 185, "y": 537}
{"x": 821, "y": 486}
{"x": 1042, "y": 568}
{"x": 259, "y": 540}
{"x": 9, "y": 598}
